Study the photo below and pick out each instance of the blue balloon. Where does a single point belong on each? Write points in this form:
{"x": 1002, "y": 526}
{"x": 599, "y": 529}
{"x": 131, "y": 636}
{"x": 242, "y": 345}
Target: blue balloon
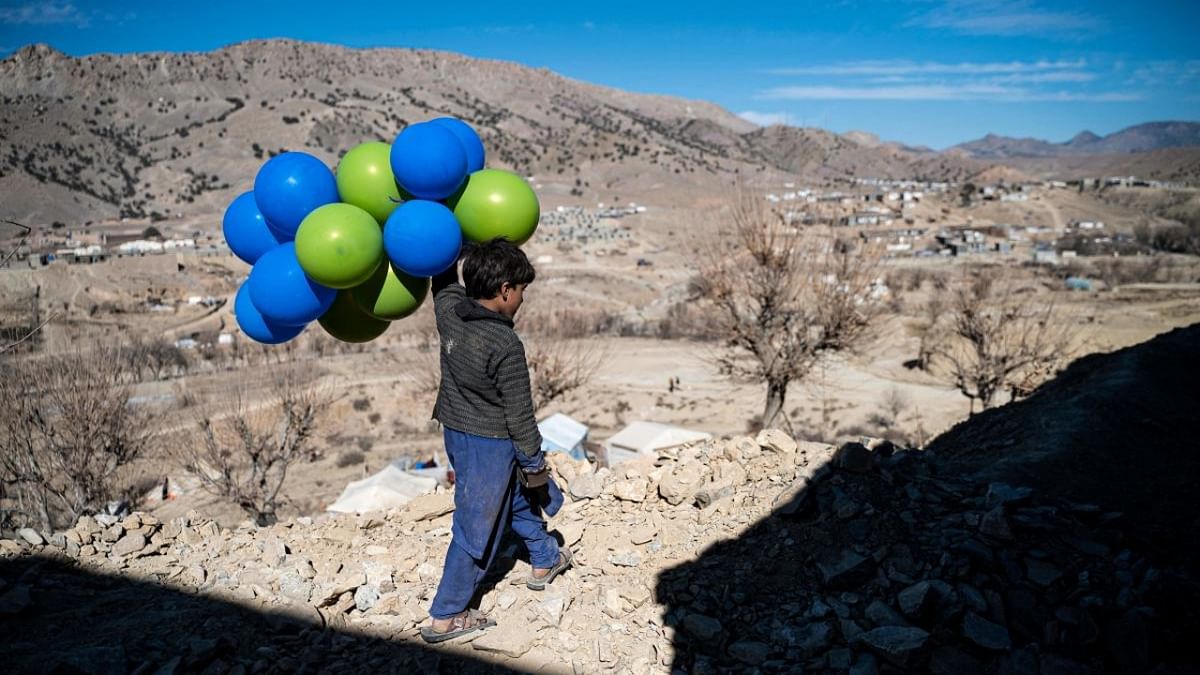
{"x": 246, "y": 230}
{"x": 429, "y": 161}
{"x": 422, "y": 238}
{"x": 289, "y": 187}
{"x": 257, "y": 326}
{"x": 282, "y": 292}
{"x": 469, "y": 139}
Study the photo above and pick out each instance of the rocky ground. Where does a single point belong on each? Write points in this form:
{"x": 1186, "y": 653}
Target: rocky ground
{"x": 751, "y": 554}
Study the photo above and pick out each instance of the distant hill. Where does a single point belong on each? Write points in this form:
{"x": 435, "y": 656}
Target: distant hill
{"x": 1139, "y": 138}
{"x": 170, "y": 134}
{"x": 134, "y": 135}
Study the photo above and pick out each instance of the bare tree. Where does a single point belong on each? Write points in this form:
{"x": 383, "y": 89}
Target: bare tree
{"x": 784, "y": 298}
{"x": 1001, "y": 338}
{"x": 68, "y": 431}
{"x": 927, "y": 328}
{"x": 560, "y": 366}
{"x": 245, "y": 455}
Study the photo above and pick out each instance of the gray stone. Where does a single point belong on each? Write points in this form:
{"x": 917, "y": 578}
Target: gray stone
{"x": 129, "y": 544}
{"x": 681, "y": 483}
{"x": 294, "y": 586}
{"x": 31, "y": 535}
{"x": 865, "y": 664}
{"x": 881, "y": 614}
{"x": 586, "y": 486}
{"x": 1003, "y": 493}
{"x": 625, "y": 558}
{"x": 851, "y": 631}
{"x": 951, "y": 661}
{"x": 776, "y": 441}
{"x": 1042, "y": 573}
{"x": 814, "y": 638}
{"x": 702, "y": 627}
{"x": 632, "y": 490}
{"x": 854, "y": 457}
{"x": 273, "y": 552}
{"x": 552, "y": 607}
{"x": 749, "y": 652}
{"x": 985, "y": 633}
{"x": 428, "y": 507}
{"x": 112, "y": 533}
{"x": 365, "y": 597}
{"x": 995, "y": 526}
{"x": 847, "y": 569}
{"x": 15, "y": 600}
{"x": 915, "y": 599}
{"x": 895, "y": 643}
{"x": 1022, "y": 661}
{"x": 839, "y": 659}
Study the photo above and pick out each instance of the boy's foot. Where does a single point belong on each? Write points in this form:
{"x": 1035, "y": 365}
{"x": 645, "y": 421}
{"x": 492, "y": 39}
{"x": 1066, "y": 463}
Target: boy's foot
{"x": 542, "y": 576}
{"x": 463, "y": 623}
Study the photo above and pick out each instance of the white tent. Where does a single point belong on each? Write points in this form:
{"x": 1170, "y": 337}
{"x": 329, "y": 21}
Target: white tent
{"x": 390, "y": 488}
{"x": 563, "y": 434}
{"x": 645, "y": 439}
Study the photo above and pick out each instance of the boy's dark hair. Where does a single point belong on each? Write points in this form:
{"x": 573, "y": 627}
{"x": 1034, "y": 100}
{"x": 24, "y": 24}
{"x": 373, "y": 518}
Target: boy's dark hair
{"x": 489, "y": 265}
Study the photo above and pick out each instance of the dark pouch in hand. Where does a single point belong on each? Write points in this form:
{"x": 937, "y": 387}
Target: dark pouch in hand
{"x": 535, "y": 479}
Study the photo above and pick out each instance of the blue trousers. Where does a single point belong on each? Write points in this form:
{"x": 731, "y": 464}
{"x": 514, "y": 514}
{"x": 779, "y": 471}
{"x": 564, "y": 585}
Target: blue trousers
{"x": 488, "y": 500}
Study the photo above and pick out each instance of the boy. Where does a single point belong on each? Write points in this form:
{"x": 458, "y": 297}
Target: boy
{"x": 492, "y": 440}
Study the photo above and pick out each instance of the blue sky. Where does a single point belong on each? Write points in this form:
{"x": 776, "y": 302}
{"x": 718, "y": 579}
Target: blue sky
{"x": 917, "y": 71}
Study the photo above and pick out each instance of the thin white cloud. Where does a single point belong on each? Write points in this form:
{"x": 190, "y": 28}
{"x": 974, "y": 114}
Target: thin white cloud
{"x": 892, "y": 68}
{"x": 982, "y": 17}
{"x": 765, "y": 119}
{"x": 1166, "y": 73}
{"x": 938, "y": 92}
{"x": 42, "y": 13}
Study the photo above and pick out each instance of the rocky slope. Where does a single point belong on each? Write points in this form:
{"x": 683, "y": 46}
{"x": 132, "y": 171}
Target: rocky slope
{"x": 1111, "y": 429}
{"x": 135, "y": 135}
{"x": 756, "y": 554}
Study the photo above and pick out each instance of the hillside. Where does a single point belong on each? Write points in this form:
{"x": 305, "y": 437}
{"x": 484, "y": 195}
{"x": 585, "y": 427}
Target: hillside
{"x": 134, "y": 135}
{"x": 1112, "y": 429}
{"x": 1138, "y": 138}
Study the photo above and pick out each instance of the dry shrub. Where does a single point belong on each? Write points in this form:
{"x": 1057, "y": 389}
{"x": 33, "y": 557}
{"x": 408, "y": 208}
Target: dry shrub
{"x": 560, "y": 366}
{"x": 350, "y": 458}
{"x": 68, "y": 435}
{"x": 244, "y": 454}
{"x": 998, "y": 337}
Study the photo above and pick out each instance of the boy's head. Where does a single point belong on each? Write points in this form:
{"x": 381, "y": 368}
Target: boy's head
{"x": 496, "y": 273}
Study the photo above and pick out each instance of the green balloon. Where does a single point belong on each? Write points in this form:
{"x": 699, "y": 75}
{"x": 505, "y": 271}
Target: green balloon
{"x": 391, "y": 294}
{"x": 496, "y": 203}
{"x": 364, "y": 179}
{"x": 346, "y": 322}
{"x": 339, "y": 245}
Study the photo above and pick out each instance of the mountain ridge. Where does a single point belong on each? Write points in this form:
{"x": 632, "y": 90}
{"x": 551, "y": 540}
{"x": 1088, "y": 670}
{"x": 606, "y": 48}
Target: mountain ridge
{"x": 1145, "y": 137}
{"x": 165, "y": 134}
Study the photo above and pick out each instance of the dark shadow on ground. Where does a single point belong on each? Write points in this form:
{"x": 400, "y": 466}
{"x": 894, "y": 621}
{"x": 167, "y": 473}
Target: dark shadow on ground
{"x": 891, "y": 561}
{"x": 81, "y": 621}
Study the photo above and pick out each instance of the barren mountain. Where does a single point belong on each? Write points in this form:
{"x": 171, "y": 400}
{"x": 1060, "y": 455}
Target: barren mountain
{"x": 134, "y": 135}
{"x": 1139, "y": 138}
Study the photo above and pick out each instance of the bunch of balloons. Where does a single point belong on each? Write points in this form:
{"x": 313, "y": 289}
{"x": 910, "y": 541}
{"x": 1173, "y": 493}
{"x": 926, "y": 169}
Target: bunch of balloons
{"x": 354, "y": 250}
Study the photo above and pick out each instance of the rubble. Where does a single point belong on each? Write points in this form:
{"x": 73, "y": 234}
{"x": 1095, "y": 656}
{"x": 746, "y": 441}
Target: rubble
{"x": 723, "y": 555}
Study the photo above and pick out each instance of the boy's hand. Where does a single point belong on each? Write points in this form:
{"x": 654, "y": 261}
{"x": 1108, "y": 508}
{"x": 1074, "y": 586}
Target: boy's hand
{"x": 534, "y": 479}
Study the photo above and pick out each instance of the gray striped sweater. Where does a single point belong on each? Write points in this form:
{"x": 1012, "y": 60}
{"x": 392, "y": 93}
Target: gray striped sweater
{"x": 485, "y": 379}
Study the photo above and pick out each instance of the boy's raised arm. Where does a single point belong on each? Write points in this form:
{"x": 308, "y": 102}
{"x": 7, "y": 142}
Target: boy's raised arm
{"x": 512, "y": 379}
